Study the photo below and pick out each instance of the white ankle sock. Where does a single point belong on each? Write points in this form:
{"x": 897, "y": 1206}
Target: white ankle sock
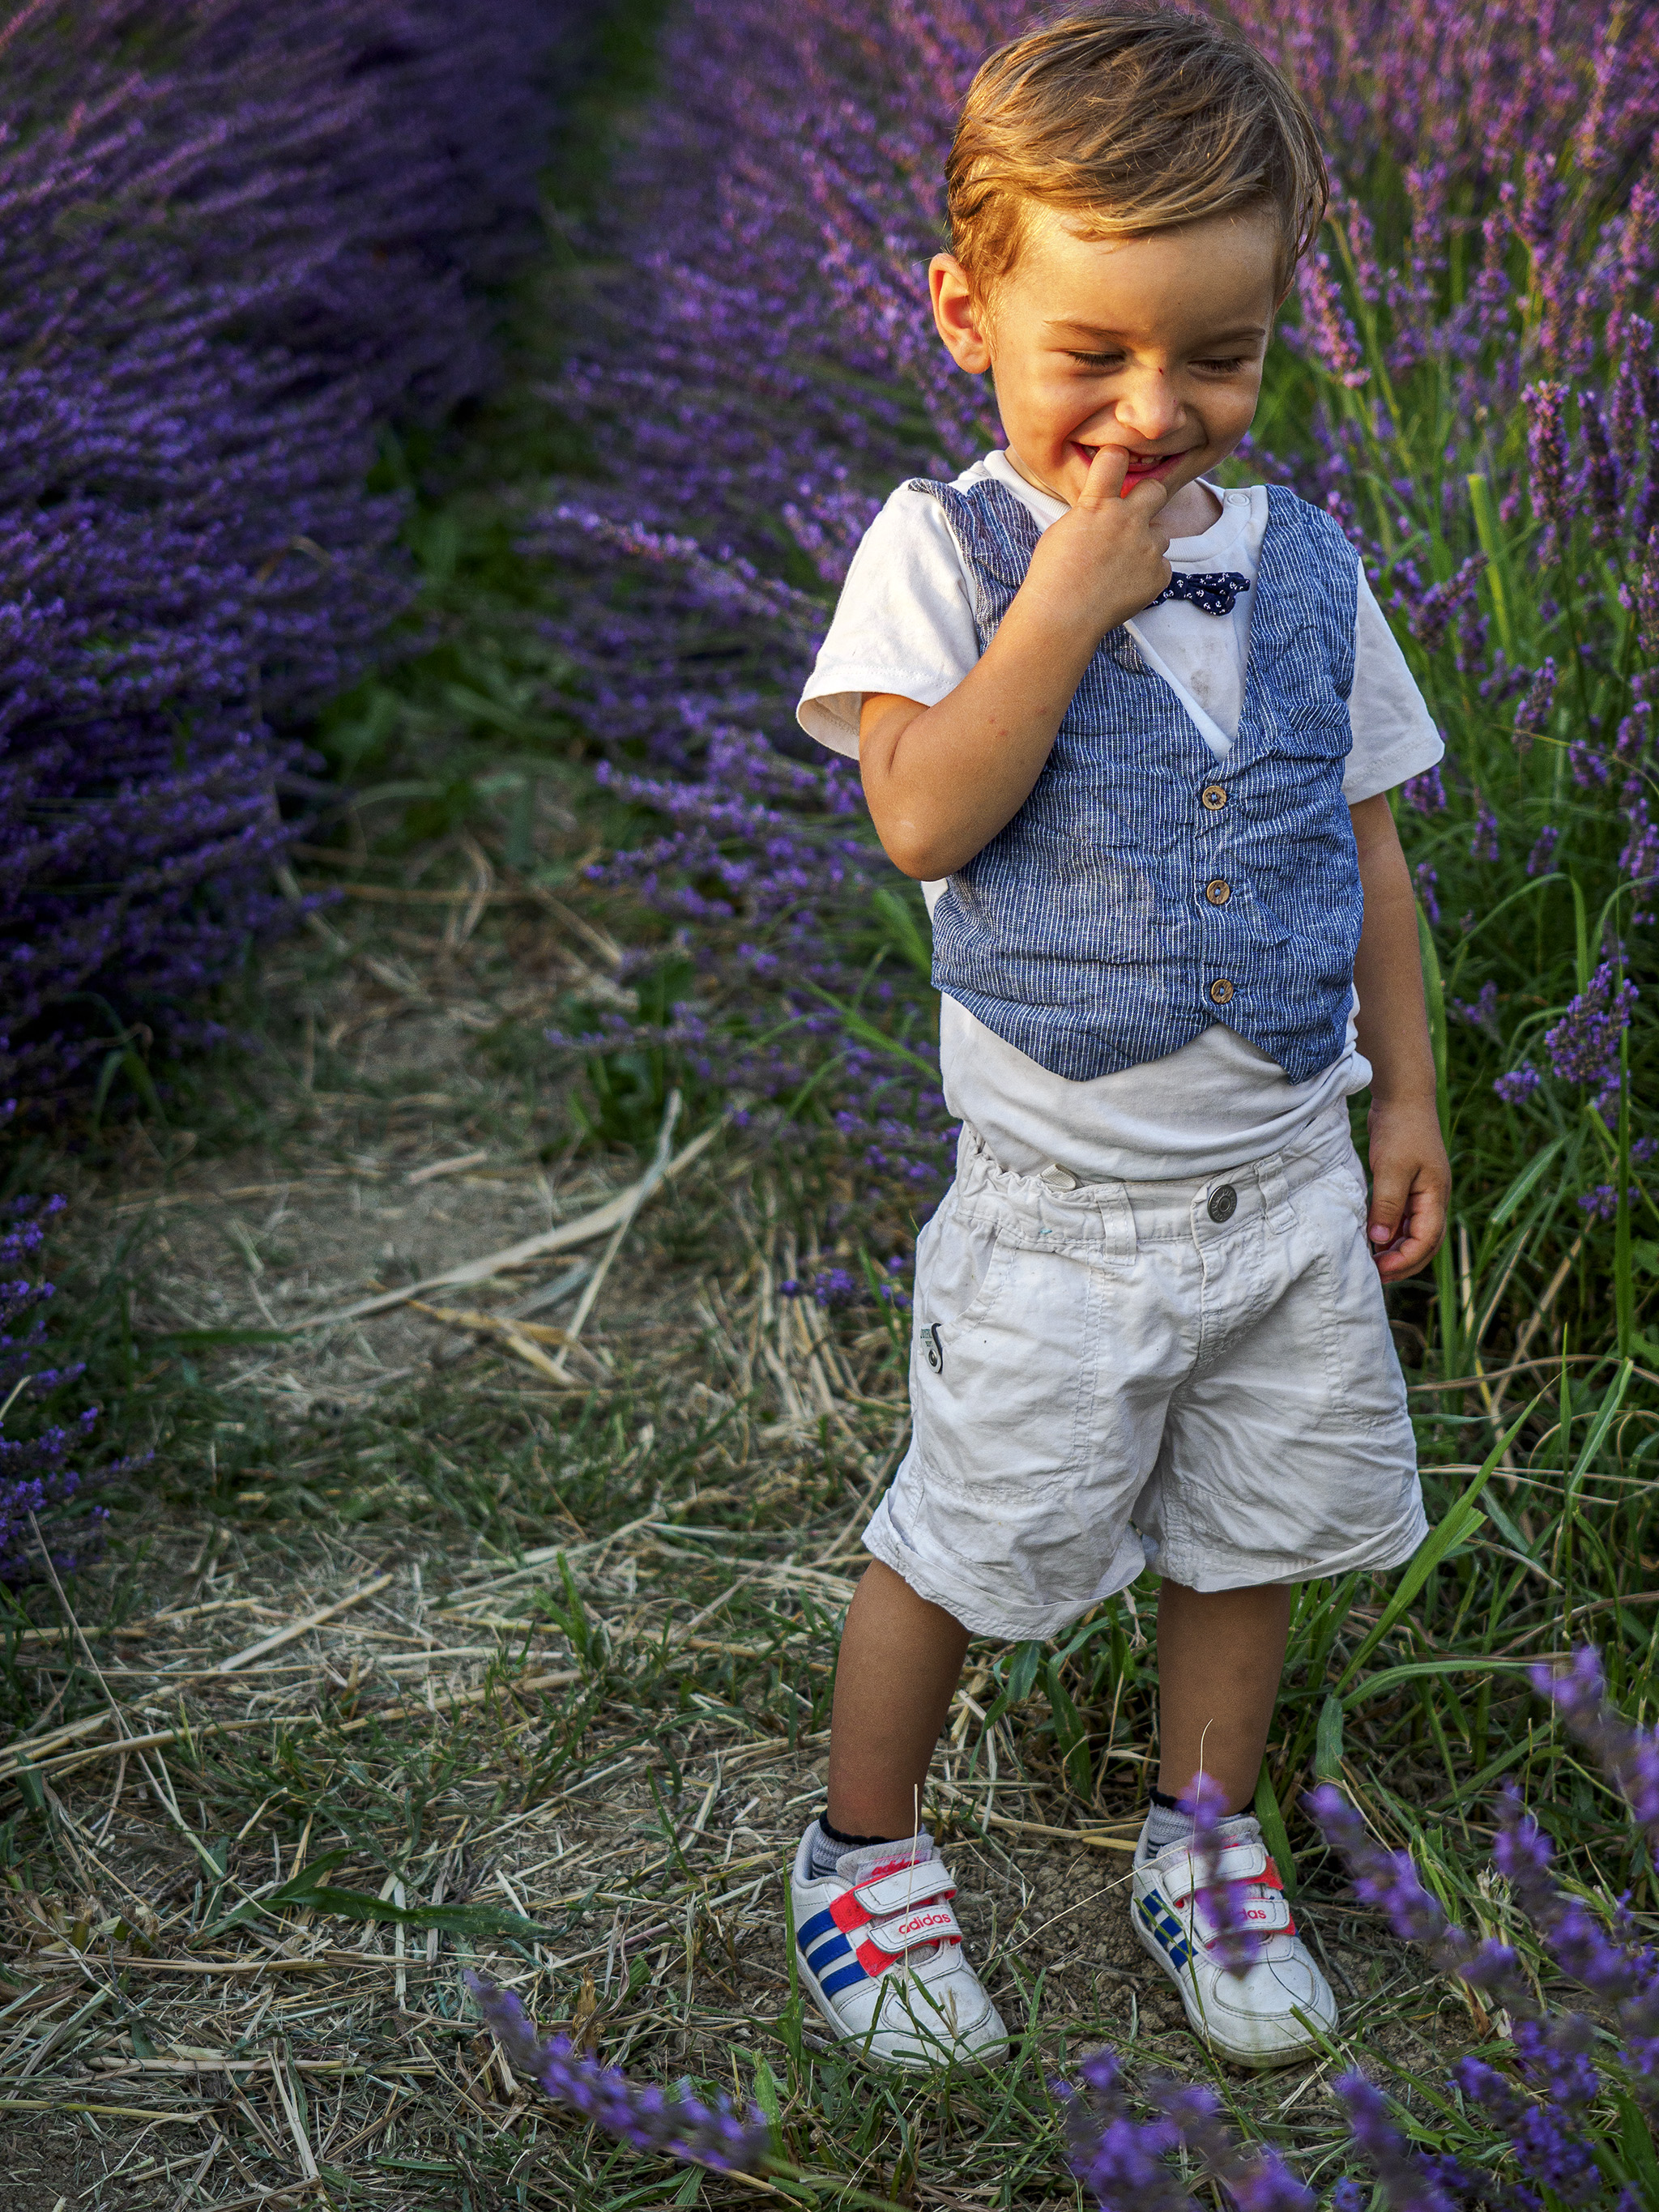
{"x": 1166, "y": 1825}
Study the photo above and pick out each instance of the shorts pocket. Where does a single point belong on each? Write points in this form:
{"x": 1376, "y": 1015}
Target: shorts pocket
{"x": 962, "y": 1263}
{"x": 1368, "y": 1391}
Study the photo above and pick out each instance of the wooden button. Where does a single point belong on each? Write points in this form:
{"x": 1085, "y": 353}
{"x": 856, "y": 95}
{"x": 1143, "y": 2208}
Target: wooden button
{"x": 1217, "y": 892}
{"x": 1213, "y": 797}
{"x": 1221, "y": 991}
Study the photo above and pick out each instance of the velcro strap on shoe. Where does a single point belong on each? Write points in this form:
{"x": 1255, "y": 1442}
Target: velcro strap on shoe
{"x": 1263, "y": 1910}
{"x": 1239, "y": 1862}
{"x": 933, "y": 1923}
{"x": 905, "y": 1887}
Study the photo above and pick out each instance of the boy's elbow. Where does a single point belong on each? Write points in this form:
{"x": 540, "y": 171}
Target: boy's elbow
{"x": 914, "y": 853}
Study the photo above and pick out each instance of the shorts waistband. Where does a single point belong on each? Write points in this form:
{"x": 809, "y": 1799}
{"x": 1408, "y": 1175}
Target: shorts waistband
{"x": 1112, "y": 1212}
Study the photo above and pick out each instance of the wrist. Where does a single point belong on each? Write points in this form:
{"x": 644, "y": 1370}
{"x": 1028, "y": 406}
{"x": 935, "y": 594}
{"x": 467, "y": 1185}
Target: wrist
{"x": 1406, "y": 1098}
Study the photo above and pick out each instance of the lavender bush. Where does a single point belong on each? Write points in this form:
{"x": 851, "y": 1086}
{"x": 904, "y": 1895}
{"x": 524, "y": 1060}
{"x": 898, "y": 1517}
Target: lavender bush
{"x": 235, "y": 238}
{"x": 40, "y": 1482}
{"x": 1468, "y": 380}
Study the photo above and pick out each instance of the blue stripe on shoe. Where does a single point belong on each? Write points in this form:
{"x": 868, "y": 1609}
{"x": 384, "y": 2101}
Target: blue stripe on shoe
{"x": 842, "y": 1978}
{"x": 837, "y": 1947}
{"x": 1156, "y": 1915}
{"x": 810, "y": 1930}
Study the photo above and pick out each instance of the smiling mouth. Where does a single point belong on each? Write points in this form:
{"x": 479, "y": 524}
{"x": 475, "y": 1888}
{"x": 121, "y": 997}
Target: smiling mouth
{"x": 1142, "y": 467}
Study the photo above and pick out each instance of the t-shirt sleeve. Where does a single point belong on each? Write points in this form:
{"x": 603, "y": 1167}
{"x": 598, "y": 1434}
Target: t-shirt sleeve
{"x": 1394, "y": 733}
{"x": 905, "y": 622}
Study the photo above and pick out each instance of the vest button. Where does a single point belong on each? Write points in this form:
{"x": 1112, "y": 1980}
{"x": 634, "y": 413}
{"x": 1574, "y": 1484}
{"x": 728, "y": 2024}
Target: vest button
{"x": 1213, "y": 797}
{"x": 1217, "y": 892}
{"x": 1221, "y": 991}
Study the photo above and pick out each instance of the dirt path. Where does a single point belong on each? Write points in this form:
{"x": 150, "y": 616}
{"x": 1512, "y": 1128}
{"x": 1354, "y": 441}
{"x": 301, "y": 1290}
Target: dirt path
{"x": 567, "y": 1705}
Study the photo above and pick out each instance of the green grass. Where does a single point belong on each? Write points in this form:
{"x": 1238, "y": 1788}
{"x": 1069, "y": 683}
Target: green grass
{"x": 732, "y": 1451}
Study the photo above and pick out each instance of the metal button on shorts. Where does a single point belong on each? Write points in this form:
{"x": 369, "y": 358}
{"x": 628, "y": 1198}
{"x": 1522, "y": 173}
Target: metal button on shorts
{"x": 1224, "y": 1202}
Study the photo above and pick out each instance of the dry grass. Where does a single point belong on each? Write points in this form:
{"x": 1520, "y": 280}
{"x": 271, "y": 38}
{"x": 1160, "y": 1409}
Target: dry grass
{"x": 444, "y": 1655}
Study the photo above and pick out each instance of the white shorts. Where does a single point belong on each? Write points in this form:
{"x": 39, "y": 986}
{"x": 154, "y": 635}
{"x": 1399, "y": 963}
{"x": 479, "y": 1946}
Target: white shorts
{"x": 1192, "y": 1375}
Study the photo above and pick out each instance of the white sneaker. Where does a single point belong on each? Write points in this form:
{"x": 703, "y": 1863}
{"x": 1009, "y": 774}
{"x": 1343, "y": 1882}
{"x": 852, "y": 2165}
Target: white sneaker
{"x": 1249, "y": 2017}
{"x": 880, "y": 1952}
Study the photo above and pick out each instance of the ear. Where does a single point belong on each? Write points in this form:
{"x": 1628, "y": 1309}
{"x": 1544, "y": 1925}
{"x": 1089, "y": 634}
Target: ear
{"x": 958, "y": 316}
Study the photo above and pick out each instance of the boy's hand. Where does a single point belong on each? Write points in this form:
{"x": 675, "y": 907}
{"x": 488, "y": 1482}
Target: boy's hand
{"x": 1411, "y": 1183}
{"x": 1104, "y": 559}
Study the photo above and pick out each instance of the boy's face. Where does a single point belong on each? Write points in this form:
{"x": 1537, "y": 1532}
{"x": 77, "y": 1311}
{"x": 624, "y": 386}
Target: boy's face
{"x": 1153, "y": 343}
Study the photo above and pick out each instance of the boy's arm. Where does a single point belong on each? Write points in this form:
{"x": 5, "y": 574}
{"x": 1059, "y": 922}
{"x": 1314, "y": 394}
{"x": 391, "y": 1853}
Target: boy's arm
{"x": 942, "y": 780}
{"x": 1411, "y": 1177}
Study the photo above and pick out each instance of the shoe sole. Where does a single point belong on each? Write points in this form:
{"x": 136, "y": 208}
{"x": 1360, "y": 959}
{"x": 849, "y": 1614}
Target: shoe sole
{"x": 856, "y": 2045}
{"x": 1255, "y": 2061}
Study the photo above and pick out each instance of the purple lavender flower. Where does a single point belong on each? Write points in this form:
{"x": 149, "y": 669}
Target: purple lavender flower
{"x": 1480, "y": 1012}
{"x": 1483, "y": 844}
{"x": 1542, "y": 855}
{"x": 1591, "y": 770}
{"x": 1123, "y": 2161}
{"x": 1426, "y": 880}
{"x": 1389, "y": 1880}
{"x": 1532, "y": 714}
{"x": 639, "y": 2114}
{"x": 1601, "y": 474}
{"x": 1583, "y": 1045}
{"x": 1438, "y": 607}
{"x": 831, "y": 1288}
{"x": 1253, "y": 2177}
{"x": 1235, "y": 1941}
{"x": 1519, "y": 1083}
{"x": 1325, "y": 323}
{"x": 1427, "y": 793}
{"x": 1410, "y": 2182}
{"x": 1647, "y": 594}
{"x": 1629, "y": 1755}
{"x": 41, "y": 1486}
{"x": 1600, "y": 1202}
{"x": 1547, "y": 447}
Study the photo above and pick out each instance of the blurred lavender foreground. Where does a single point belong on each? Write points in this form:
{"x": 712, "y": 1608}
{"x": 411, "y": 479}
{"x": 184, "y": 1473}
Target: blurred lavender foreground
{"x": 1560, "y": 2110}
{"x": 234, "y": 238}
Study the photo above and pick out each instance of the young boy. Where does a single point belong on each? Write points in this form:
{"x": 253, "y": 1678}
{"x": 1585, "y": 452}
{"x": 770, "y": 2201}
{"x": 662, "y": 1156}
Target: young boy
{"x": 1135, "y": 734}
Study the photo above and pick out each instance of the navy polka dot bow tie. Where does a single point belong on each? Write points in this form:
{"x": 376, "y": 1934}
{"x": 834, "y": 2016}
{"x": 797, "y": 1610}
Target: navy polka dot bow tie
{"x": 1213, "y": 594}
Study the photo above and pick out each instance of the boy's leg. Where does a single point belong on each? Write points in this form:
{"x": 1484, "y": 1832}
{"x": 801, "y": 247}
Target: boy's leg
{"x": 1219, "y": 1657}
{"x": 1220, "y": 1654}
{"x": 880, "y": 1951}
{"x": 901, "y": 1660}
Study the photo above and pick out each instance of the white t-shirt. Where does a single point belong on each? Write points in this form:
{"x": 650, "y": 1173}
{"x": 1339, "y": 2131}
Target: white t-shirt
{"x": 905, "y": 624}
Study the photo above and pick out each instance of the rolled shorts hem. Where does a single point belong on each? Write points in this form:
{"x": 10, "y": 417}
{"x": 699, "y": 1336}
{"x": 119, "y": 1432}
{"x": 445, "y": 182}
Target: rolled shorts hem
{"x": 1377, "y": 1555}
{"x": 932, "y": 1580}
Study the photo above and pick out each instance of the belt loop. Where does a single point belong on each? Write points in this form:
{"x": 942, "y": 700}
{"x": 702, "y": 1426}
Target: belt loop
{"x": 1275, "y": 1192}
{"x": 1117, "y": 1224}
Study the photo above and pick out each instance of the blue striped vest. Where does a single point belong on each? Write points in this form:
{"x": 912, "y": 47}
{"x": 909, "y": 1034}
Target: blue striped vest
{"x": 1145, "y": 889}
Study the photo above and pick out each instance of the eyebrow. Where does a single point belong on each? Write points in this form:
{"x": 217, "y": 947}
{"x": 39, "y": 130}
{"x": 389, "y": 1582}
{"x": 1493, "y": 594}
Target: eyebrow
{"x": 1213, "y": 338}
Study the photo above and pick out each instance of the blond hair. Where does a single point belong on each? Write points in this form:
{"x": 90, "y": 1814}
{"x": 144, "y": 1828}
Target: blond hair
{"x": 1129, "y": 120}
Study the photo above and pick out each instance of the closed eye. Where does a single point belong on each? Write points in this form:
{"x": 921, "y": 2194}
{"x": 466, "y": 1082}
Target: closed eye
{"x": 1229, "y": 365}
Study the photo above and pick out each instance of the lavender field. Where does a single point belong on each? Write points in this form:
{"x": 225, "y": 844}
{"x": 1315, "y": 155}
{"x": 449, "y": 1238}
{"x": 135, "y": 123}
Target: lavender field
{"x": 492, "y": 1072}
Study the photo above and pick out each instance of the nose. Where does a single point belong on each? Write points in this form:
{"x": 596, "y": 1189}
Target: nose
{"x": 1146, "y": 405}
